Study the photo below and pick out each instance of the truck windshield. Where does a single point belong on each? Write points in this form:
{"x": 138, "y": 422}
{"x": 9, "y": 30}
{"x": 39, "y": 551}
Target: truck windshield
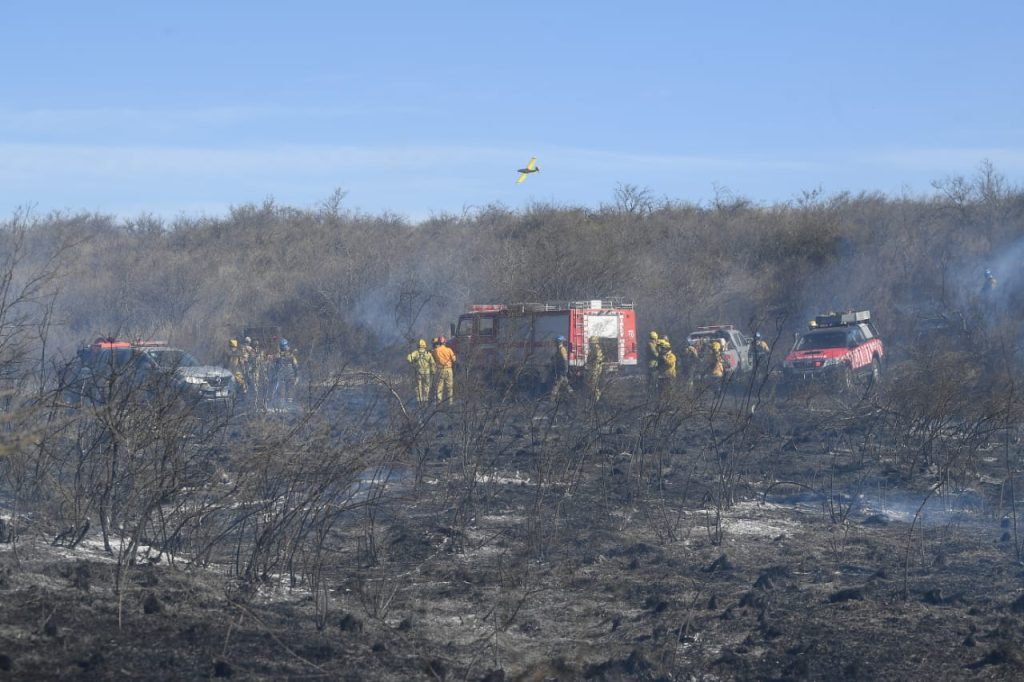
{"x": 820, "y": 340}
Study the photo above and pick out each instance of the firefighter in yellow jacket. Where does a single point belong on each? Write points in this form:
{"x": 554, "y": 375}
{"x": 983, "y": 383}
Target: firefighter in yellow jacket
{"x": 666, "y": 361}
{"x": 445, "y": 359}
{"x": 717, "y": 359}
{"x": 652, "y": 358}
{"x": 425, "y": 365}
{"x": 236, "y": 364}
{"x": 593, "y": 368}
{"x": 560, "y": 369}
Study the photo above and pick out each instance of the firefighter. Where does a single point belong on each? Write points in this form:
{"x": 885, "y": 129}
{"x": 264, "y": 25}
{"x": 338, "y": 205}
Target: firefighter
{"x": 236, "y": 364}
{"x": 560, "y": 368}
{"x": 666, "y": 366}
{"x": 990, "y": 283}
{"x": 247, "y": 353}
{"x": 257, "y": 371}
{"x": 425, "y": 366}
{"x": 284, "y": 373}
{"x": 652, "y": 359}
{"x": 717, "y": 366}
{"x": 593, "y": 368}
{"x": 445, "y": 359}
{"x": 758, "y": 351}
{"x": 691, "y": 361}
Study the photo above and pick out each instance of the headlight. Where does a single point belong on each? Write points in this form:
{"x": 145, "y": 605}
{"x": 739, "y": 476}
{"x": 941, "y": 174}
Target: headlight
{"x": 194, "y": 380}
{"x": 830, "y": 362}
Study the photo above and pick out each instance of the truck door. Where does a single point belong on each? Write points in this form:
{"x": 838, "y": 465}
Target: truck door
{"x": 607, "y": 327}
{"x": 514, "y": 335}
{"x": 486, "y": 340}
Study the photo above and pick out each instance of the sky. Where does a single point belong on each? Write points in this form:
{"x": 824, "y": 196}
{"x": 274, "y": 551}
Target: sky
{"x": 422, "y": 109}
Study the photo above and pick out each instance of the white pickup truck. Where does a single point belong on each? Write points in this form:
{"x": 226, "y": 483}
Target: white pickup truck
{"x": 735, "y": 345}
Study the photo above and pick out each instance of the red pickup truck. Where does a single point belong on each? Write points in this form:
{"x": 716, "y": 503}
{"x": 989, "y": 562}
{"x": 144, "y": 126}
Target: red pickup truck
{"x": 841, "y": 347}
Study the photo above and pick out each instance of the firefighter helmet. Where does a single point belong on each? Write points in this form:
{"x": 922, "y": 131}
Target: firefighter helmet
{"x": 716, "y": 345}
{"x": 233, "y": 343}
{"x": 423, "y": 344}
{"x": 560, "y": 339}
{"x": 283, "y": 345}
{"x": 654, "y": 335}
{"x": 441, "y": 340}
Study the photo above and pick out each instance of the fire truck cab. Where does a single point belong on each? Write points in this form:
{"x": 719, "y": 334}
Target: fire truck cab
{"x": 840, "y": 346}
{"x": 519, "y": 338}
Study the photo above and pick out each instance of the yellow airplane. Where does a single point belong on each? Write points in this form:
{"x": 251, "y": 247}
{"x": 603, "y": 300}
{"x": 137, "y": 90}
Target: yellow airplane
{"x": 531, "y": 167}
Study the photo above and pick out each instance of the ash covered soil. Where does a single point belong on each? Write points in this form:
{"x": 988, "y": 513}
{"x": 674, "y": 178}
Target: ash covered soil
{"x": 564, "y": 543}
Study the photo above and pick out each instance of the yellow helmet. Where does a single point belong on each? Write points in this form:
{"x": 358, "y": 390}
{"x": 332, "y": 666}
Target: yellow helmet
{"x": 654, "y": 335}
{"x": 716, "y": 345}
{"x": 662, "y": 343}
{"x": 422, "y": 344}
{"x": 233, "y": 343}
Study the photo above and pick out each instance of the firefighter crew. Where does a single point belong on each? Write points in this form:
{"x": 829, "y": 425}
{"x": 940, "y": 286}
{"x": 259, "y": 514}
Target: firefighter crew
{"x": 593, "y": 368}
{"x": 423, "y": 362}
{"x": 284, "y": 373}
{"x": 717, "y": 368}
{"x": 560, "y": 368}
{"x": 445, "y": 358}
{"x": 236, "y": 364}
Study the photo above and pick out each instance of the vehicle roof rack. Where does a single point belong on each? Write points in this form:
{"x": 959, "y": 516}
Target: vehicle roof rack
{"x": 833, "y": 319}
{"x": 615, "y": 302}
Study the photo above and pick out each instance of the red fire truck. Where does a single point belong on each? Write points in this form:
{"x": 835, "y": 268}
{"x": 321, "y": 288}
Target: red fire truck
{"x": 519, "y": 338}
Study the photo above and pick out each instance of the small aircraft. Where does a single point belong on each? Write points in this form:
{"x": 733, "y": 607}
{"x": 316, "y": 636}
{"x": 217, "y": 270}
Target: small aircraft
{"x": 531, "y": 167}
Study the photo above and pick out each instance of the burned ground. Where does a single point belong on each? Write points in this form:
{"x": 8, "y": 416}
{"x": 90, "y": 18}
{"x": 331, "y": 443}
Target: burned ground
{"x": 518, "y": 539}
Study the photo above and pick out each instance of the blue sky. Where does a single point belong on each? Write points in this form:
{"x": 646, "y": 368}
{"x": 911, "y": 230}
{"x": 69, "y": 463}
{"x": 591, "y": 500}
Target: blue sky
{"x": 424, "y": 108}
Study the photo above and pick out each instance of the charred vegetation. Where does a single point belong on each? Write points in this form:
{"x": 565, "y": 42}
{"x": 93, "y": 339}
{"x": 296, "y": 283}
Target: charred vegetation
{"x": 722, "y": 528}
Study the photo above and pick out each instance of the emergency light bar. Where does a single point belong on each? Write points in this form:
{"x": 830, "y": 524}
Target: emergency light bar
{"x": 842, "y": 319}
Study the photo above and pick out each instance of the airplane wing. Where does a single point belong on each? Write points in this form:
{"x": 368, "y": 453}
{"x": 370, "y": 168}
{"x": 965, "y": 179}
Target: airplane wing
{"x": 522, "y": 176}
{"x": 533, "y": 162}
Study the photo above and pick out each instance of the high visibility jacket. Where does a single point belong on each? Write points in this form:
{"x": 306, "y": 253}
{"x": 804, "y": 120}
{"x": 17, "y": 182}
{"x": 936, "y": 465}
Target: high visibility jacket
{"x": 668, "y": 365}
{"x": 560, "y": 361}
{"x": 595, "y": 360}
{"x": 652, "y": 353}
{"x": 444, "y": 356}
{"x": 423, "y": 360}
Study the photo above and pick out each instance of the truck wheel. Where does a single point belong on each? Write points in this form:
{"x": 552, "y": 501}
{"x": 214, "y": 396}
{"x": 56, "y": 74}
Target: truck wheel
{"x": 846, "y": 378}
{"x": 876, "y": 371}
